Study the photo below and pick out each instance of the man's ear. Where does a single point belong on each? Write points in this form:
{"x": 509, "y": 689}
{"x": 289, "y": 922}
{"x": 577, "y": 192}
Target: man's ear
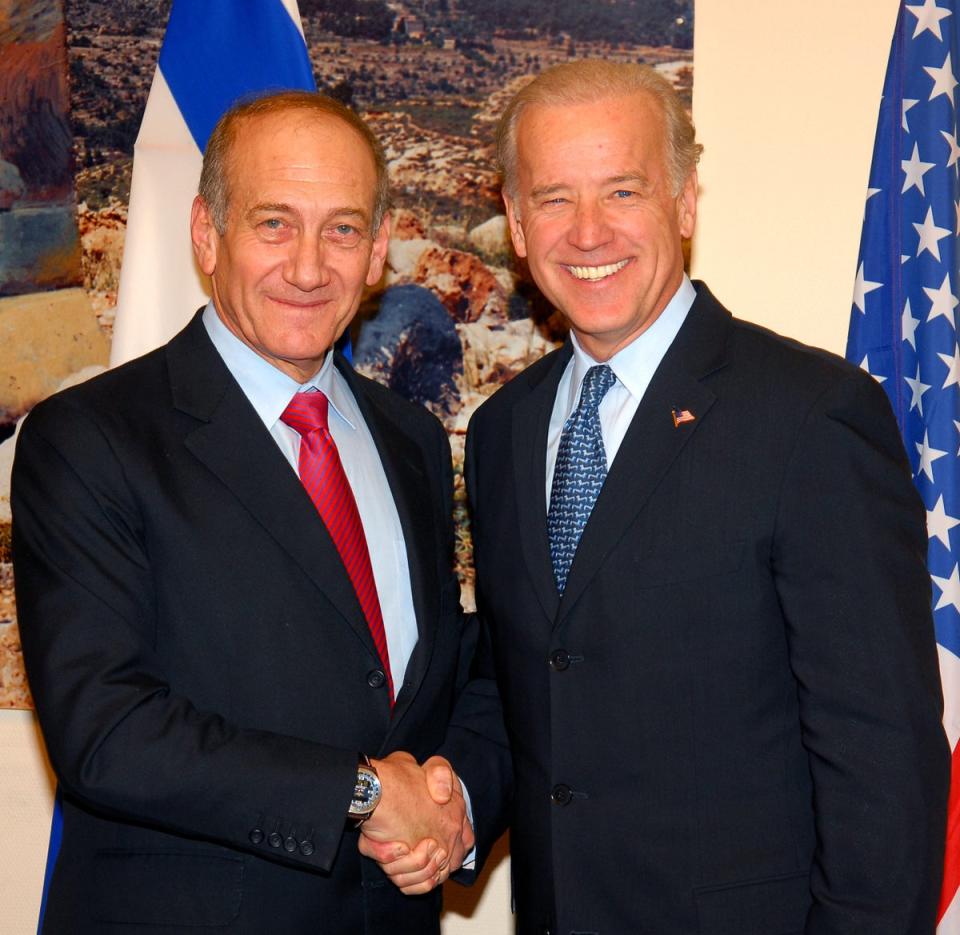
{"x": 204, "y": 236}
{"x": 516, "y": 230}
{"x": 378, "y": 255}
{"x": 687, "y": 206}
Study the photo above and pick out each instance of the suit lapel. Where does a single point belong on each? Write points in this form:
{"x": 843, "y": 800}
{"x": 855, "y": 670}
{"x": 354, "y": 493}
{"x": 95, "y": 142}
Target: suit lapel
{"x": 531, "y": 423}
{"x": 653, "y": 440}
{"x": 232, "y": 442}
{"x": 406, "y": 474}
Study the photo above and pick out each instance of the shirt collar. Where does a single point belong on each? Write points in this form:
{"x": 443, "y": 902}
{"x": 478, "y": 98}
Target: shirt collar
{"x": 635, "y": 364}
{"x": 269, "y": 389}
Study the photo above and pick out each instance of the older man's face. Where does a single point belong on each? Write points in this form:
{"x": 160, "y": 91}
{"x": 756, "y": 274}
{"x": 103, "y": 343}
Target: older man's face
{"x": 596, "y": 218}
{"x": 289, "y": 270}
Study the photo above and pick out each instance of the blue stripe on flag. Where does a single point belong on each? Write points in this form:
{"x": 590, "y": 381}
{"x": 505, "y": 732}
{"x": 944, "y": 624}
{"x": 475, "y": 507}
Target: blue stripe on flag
{"x": 53, "y": 851}
{"x": 217, "y": 51}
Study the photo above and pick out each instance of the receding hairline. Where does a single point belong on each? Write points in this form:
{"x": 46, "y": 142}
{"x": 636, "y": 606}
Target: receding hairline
{"x": 588, "y": 81}
{"x": 532, "y": 107}
{"x": 306, "y": 115}
{"x": 305, "y": 106}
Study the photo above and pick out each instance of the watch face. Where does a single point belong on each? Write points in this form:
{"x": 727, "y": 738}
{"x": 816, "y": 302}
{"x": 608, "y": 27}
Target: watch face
{"x": 366, "y": 792}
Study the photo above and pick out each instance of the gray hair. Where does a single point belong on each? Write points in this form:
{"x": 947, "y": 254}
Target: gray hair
{"x": 213, "y": 188}
{"x": 590, "y": 80}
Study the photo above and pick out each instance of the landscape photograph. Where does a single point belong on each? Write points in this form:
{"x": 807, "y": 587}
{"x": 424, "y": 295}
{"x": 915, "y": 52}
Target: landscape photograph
{"x": 455, "y": 315}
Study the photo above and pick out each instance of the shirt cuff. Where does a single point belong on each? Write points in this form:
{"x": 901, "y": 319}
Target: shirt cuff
{"x": 470, "y": 861}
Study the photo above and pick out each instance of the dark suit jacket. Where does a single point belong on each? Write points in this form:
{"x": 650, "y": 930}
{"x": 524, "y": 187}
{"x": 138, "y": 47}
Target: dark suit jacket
{"x": 730, "y": 723}
{"x": 201, "y": 667}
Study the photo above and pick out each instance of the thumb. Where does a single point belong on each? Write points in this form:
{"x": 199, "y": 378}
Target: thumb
{"x": 440, "y": 779}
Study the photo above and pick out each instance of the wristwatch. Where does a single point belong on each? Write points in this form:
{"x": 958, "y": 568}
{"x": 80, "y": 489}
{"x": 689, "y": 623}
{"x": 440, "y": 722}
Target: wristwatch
{"x": 366, "y": 792}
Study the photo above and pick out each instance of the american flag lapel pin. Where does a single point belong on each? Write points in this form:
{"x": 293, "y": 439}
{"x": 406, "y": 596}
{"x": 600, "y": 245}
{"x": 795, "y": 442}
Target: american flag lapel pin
{"x": 682, "y": 415}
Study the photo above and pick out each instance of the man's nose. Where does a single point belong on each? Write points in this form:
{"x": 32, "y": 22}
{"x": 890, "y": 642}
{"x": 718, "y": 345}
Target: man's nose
{"x": 306, "y": 266}
{"x": 590, "y": 228}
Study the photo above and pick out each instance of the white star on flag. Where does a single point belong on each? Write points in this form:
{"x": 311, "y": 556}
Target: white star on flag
{"x": 865, "y": 366}
{"x": 861, "y": 288}
{"x": 953, "y": 367}
{"x": 908, "y": 325}
{"x": 956, "y": 425}
{"x": 943, "y": 80}
{"x": 917, "y": 388}
{"x": 939, "y": 523}
{"x": 951, "y": 139}
{"x": 927, "y": 456}
{"x": 928, "y": 17}
{"x": 905, "y": 106}
{"x": 949, "y": 590}
{"x": 930, "y": 235}
{"x": 915, "y": 169}
{"x": 942, "y": 301}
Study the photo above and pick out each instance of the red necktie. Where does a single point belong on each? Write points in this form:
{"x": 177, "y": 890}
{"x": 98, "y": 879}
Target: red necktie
{"x": 323, "y": 477}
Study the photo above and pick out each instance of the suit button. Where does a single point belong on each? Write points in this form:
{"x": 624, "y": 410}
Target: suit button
{"x": 274, "y": 839}
{"x": 376, "y": 678}
{"x": 290, "y": 844}
{"x": 306, "y": 848}
{"x": 559, "y": 660}
{"x": 561, "y": 794}
{"x": 256, "y": 836}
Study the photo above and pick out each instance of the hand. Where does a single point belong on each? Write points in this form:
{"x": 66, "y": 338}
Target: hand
{"x": 423, "y": 834}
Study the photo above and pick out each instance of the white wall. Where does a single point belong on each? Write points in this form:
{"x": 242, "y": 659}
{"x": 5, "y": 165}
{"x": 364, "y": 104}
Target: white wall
{"x": 785, "y": 101}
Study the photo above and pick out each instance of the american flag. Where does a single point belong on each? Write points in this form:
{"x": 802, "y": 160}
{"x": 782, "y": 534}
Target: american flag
{"x": 903, "y": 326}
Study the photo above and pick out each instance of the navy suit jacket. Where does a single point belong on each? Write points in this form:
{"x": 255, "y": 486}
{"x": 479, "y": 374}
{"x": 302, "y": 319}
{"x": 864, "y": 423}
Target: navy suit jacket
{"x": 202, "y": 670}
{"x": 730, "y": 722}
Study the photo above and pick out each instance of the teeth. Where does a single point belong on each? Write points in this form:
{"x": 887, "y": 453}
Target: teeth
{"x": 596, "y": 272}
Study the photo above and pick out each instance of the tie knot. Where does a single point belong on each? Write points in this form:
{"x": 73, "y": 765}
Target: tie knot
{"x": 306, "y": 413}
{"x": 598, "y": 380}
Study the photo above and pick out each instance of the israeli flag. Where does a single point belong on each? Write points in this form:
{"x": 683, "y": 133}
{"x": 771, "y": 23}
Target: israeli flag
{"x": 214, "y": 52}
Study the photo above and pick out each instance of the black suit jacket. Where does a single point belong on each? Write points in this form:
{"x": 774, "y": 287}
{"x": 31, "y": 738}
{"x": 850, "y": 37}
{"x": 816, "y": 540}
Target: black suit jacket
{"x": 202, "y": 670}
{"x": 730, "y": 722}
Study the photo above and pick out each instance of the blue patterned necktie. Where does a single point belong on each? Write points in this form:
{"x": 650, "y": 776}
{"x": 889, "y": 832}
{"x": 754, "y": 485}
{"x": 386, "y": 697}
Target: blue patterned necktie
{"x": 579, "y": 473}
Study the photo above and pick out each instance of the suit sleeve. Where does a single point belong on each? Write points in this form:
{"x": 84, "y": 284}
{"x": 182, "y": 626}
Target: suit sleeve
{"x": 120, "y": 737}
{"x": 849, "y": 564}
{"x": 477, "y": 744}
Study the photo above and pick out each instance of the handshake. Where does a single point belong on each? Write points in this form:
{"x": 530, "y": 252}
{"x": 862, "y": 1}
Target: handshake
{"x": 419, "y": 833}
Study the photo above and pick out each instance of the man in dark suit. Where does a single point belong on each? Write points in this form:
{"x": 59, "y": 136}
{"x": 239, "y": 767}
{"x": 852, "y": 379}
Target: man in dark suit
{"x": 216, "y": 649}
{"x": 701, "y": 557}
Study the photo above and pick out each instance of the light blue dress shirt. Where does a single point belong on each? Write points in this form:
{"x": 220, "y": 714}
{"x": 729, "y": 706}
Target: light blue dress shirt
{"x": 634, "y": 367}
{"x": 269, "y": 391}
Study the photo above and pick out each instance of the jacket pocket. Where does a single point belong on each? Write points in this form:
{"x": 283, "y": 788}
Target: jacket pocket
{"x": 166, "y": 888}
{"x": 774, "y": 906}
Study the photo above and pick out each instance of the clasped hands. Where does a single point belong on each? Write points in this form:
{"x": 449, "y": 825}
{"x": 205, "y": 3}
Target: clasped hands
{"x": 419, "y": 833}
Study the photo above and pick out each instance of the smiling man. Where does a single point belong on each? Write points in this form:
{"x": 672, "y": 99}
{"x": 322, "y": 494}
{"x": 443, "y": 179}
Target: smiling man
{"x": 234, "y": 578}
{"x": 701, "y": 558}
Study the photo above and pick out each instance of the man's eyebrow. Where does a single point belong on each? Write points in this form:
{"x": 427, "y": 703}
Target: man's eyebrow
{"x": 637, "y": 178}
{"x": 348, "y": 212}
{"x": 544, "y": 190}
{"x": 633, "y": 178}
{"x": 271, "y": 207}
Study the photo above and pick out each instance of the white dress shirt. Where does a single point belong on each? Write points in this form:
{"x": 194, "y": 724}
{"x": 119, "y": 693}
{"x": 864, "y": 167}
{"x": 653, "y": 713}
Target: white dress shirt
{"x": 633, "y": 366}
{"x": 269, "y": 391}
